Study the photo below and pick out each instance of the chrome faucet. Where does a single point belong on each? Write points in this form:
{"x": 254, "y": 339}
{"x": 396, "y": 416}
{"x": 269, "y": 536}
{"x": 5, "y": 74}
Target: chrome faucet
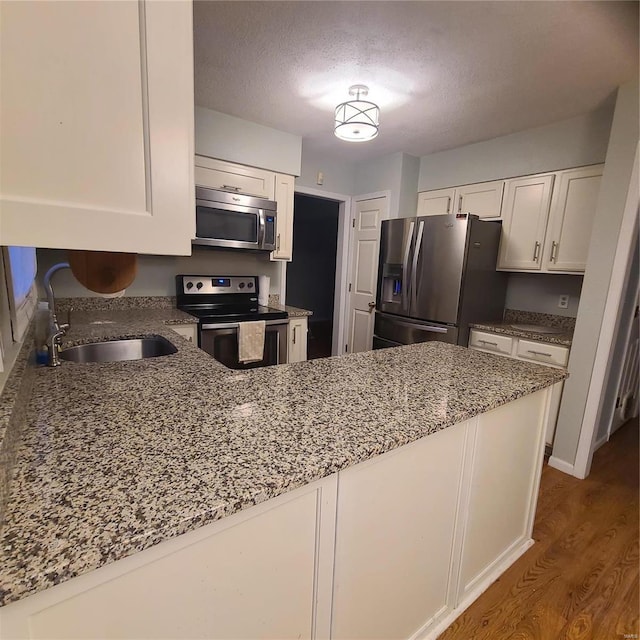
{"x": 56, "y": 330}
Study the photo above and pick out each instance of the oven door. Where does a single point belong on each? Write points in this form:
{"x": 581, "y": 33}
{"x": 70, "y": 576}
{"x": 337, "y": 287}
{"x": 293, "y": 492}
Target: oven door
{"x": 221, "y": 342}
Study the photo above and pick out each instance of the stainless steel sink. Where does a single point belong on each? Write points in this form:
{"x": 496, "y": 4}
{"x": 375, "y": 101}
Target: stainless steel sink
{"x": 117, "y": 350}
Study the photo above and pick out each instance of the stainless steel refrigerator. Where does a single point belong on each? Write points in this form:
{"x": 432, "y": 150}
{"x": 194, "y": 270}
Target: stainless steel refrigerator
{"x": 437, "y": 274}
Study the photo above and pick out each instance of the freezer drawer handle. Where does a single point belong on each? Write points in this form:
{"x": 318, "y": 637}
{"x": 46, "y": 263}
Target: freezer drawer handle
{"x": 422, "y": 327}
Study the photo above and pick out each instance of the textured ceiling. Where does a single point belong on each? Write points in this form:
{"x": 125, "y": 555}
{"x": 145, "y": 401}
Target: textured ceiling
{"x": 445, "y": 74}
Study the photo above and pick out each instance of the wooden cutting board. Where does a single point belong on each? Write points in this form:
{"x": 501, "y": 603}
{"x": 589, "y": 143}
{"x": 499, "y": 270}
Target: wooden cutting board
{"x": 103, "y": 271}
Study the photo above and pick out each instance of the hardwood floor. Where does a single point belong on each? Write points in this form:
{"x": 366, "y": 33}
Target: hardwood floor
{"x": 580, "y": 580}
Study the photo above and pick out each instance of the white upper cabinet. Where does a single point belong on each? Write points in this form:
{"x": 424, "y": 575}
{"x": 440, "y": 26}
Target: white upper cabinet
{"x": 284, "y": 196}
{"x": 437, "y": 202}
{"x": 524, "y": 219}
{"x": 97, "y": 125}
{"x": 547, "y": 221}
{"x": 573, "y": 208}
{"x": 218, "y": 174}
{"x": 483, "y": 199}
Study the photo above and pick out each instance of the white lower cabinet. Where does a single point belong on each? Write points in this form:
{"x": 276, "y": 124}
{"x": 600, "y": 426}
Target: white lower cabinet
{"x": 395, "y": 526}
{"x": 187, "y": 331}
{"x": 394, "y": 547}
{"x": 297, "y": 339}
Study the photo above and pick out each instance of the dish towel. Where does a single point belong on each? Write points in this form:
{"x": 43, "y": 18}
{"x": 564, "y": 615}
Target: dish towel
{"x": 251, "y": 341}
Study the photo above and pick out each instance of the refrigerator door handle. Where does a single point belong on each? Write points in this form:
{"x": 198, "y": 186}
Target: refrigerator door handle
{"x": 405, "y": 268}
{"x": 414, "y": 265}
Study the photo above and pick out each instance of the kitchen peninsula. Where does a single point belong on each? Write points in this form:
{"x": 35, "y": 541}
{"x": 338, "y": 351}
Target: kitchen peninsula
{"x": 172, "y": 497}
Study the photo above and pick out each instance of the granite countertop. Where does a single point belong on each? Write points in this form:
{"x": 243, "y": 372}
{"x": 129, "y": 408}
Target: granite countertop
{"x": 564, "y": 338}
{"x": 116, "y": 457}
{"x": 294, "y": 312}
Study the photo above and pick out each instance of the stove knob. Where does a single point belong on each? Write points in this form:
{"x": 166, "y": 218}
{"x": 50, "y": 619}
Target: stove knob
{"x": 241, "y": 285}
{"x": 199, "y": 285}
{"x": 250, "y": 285}
{"x": 189, "y": 285}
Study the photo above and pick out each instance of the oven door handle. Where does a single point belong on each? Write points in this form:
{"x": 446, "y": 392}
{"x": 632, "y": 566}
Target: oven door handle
{"x": 235, "y": 325}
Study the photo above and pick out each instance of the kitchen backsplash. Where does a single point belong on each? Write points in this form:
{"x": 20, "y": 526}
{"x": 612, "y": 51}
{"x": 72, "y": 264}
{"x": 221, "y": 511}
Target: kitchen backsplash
{"x": 540, "y": 292}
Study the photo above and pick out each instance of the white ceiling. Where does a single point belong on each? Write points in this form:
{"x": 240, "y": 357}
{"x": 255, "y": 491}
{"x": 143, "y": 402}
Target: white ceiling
{"x": 444, "y": 74}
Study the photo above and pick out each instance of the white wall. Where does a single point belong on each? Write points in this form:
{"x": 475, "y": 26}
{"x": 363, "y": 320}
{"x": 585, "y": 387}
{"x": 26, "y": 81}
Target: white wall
{"x": 381, "y": 174}
{"x": 339, "y": 175}
{"x": 575, "y": 142}
{"x": 606, "y": 229}
{"x": 225, "y": 137}
{"x": 156, "y": 273}
{"x": 408, "y": 201}
{"x": 539, "y": 292}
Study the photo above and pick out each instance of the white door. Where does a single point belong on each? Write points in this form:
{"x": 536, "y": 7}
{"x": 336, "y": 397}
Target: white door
{"x": 524, "y": 221}
{"x": 483, "y": 199}
{"x": 572, "y": 212}
{"x": 436, "y": 202}
{"x": 365, "y": 247}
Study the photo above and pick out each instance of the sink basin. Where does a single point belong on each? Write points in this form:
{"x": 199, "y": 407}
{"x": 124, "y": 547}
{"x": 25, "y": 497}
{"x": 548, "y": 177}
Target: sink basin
{"x": 538, "y": 328}
{"x": 117, "y": 350}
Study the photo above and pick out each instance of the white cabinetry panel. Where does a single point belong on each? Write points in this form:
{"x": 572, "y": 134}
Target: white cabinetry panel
{"x": 573, "y": 209}
{"x": 524, "y": 215}
{"x": 436, "y": 202}
{"x": 97, "y": 125}
{"x": 297, "y": 337}
{"x": 394, "y": 538}
{"x": 483, "y": 199}
{"x": 187, "y": 331}
{"x": 284, "y": 196}
{"x": 217, "y": 174}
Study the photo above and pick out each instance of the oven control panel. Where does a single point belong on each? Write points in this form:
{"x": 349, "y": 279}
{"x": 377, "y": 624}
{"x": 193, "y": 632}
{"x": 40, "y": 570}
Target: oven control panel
{"x": 217, "y": 284}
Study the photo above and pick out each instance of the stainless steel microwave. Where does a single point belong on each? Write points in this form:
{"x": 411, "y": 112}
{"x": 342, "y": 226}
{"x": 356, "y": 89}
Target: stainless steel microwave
{"x": 235, "y": 221}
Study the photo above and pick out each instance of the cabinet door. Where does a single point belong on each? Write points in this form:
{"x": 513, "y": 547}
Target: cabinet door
{"x": 187, "y": 331}
{"x": 217, "y": 174}
{"x": 437, "y": 202}
{"x": 297, "y": 351}
{"x": 284, "y": 186}
{"x": 483, "y": 199}
{"x": 395, "y": 526}
{"x": 524, "y": 219}
{"x": 97, "y": 126}
{"x": 571, "y": 218}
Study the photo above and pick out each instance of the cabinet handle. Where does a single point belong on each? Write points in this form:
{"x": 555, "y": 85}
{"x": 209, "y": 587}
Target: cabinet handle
{"x": 231, "y": 187}
{"x": 460, "y": 204}
{"x": 539, "y": 353}
{"x": 278, "y": 242}
{"x": 448, "y": 204}
{"x": 294, "y": 334}
{"x": 493, "y": 344}
{"x": 554, "y": 251}
{"x": 536, "y": 252}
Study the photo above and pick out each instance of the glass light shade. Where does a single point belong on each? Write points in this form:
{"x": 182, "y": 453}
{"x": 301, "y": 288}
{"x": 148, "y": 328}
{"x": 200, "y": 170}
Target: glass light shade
{"x": 357, "y": 121}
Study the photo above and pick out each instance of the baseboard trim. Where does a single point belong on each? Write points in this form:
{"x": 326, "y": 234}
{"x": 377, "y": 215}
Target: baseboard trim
{"x": 561, "y": 465}
{"x": 432, "y": 632}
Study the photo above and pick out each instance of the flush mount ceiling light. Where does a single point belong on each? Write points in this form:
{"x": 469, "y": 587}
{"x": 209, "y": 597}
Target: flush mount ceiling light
{"x": 357, "y": 120}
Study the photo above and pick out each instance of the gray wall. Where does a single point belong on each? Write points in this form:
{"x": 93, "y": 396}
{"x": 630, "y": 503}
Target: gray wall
{"x": 339, "y": 176}
{"x": 539, "y": 292}
{"x": 156, "y": 273}
{"x": 225, "y": 137}
{"x": 606, "y": 229}
{"x": 570, "y": 143}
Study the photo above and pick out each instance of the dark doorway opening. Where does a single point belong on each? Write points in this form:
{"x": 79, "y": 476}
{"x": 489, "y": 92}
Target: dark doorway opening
{"x": 311, "y": 275}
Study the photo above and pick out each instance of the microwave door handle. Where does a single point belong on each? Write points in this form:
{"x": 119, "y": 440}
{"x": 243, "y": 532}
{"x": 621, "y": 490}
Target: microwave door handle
{"x": 414, "y": 264}
{"x": 405, "y": 267}
{"x": 261, "y": 227}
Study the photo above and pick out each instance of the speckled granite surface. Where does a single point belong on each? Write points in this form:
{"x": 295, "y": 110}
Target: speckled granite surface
{"x": 512, "y": 317}
{"x": 120, "y": 456}
{"x": 294, "y": 312}
{"x": 96, "y": 303}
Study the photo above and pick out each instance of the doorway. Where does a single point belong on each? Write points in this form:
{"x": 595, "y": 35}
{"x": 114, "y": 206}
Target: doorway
{"x": 311, "y": 274}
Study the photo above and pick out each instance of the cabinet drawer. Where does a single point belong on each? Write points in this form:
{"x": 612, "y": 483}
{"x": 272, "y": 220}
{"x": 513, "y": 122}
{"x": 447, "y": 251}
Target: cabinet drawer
{"x": 491, "y": 342}
{"x": 543, "y": 352}
{"x": 216, "y": 174}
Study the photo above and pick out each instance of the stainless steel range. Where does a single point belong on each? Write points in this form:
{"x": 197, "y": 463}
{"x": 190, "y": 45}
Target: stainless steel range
{"x": 221, "y": 303}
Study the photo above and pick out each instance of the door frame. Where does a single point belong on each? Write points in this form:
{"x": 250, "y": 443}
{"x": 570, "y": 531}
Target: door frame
{"x": 348, "y": 277}
{"x": 342, "y": 261}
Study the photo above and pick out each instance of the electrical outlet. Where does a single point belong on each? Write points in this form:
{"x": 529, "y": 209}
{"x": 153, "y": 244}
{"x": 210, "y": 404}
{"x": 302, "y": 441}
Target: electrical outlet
{"x": 563, "y": 301}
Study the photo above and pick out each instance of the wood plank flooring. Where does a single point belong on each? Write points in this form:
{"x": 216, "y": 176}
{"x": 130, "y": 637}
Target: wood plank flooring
{"x": 580, "y": 580}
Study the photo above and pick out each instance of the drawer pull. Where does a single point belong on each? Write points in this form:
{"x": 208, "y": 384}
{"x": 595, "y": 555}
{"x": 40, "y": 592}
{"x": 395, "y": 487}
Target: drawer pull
{"x": 539, "y": 353}
{"x": 493, "y": 344}
{"x": 449, "y": 204}
{"x": 460, "y": 204}
{"x": 231, "y": 187}
{"x": 294, "y": 334}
